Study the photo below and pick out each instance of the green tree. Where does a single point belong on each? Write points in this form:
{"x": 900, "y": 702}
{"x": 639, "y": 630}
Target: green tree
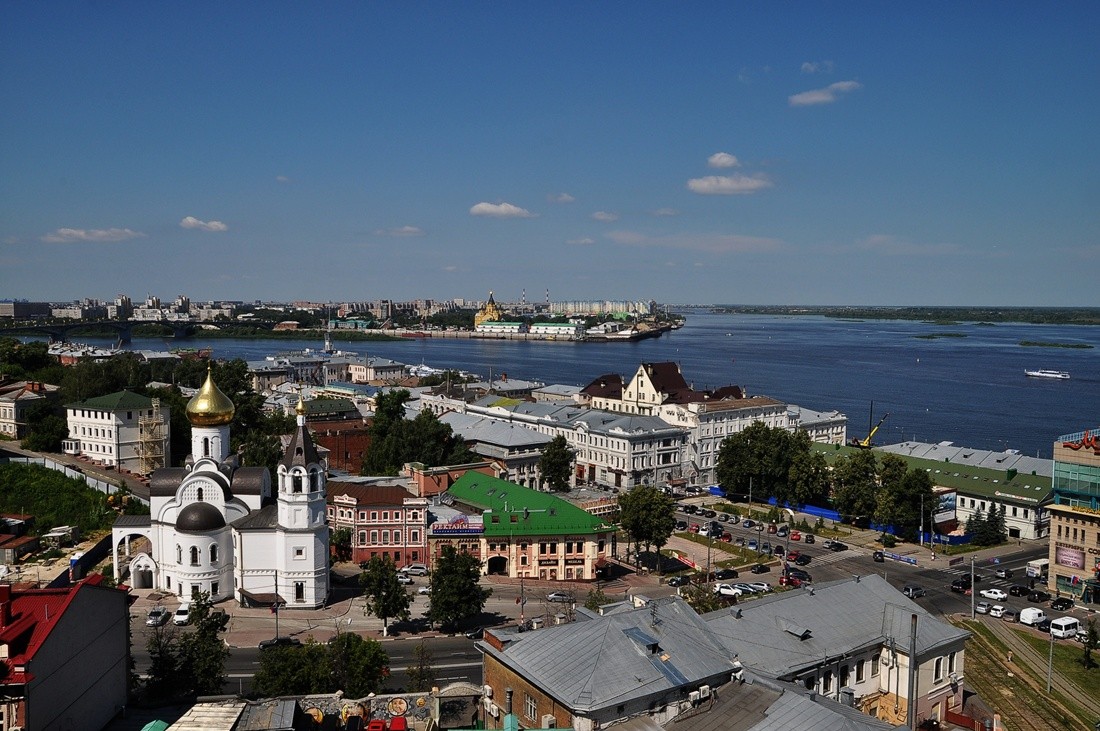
{"x": 855, "y": 484}
{"x": 455, "y": 591}
{"x": 556, "y": 464}
{"x": 996, "y": 525}
{"x": 595, "y": 599}
{"x": 977, "y": 527}
{"x": 395, "y": 441}
{"x": 359, "y": 666}
{"x": 1092, "y": 642}
{"x": 914, "y": 491}
{"x": 701, "y": 598}
{"x": 46, "y": 433}
{"x": 648, "y": 516}
{"x": 758, "y": 454}
{"x": 421, "y": 673}
{"x": 165, "y": 675}
{"x": 289, "y": 670}
{"x": 808, "y": 479}
{"x": 340, "y": 541}
{"x": 202, "y": 653}
{"x": 383, "y": 596}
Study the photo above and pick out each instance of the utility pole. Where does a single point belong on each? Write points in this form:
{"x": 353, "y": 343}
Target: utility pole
{"x": 921, "y": 534}
{"x": 972, "y": 587}
{"x": 911, "y": 709}
{"x": 1050, "y": 664}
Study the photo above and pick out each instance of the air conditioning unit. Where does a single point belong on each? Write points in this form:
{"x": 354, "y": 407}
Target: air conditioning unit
{"x": 487, "y": 705}
{"x": 487, "y": 691}
{"x": 494, "y": 710}
{"x": 704, "y": 692}
{"x": 548, "y": 721}
{"x": 694, "y": 697}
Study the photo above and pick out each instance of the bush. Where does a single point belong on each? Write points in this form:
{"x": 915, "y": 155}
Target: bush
{"x": 888, "y": 540}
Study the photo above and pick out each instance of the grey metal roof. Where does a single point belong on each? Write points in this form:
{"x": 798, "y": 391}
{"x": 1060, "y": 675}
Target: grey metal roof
{"x": 249, "y": 480}
{"x": 949, "y": 452}
{"x": 492, "y": 431}
{"x": 651, "y": 650}
{"x": 262, "y": 519}
{"x": 165, "y": 481}
{"x": 795, "y": 710}
{"x": 840, "y": 617}
{"x": 132, "y": 521}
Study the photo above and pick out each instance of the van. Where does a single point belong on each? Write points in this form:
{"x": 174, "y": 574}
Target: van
{"x": 1064, "y": 627}
{"x": 1032, "y": 616}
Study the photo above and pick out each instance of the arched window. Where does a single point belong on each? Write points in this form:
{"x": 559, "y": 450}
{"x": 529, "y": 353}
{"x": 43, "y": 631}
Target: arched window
{"x": 179, "y": 554}
{"x": 296, "y": 482}
{"x": 213, "y": 553}
{"x": 206, "y": 446}
{"x": 194, "y": 555}
{"x": 313, "y": 481}
{"x": 200, "y": 495}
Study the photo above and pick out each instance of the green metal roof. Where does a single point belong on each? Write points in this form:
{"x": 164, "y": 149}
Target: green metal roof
{"x": 968, "y": 479}
{"x": 118, "y": 401}
{"x": 514, "y": 510}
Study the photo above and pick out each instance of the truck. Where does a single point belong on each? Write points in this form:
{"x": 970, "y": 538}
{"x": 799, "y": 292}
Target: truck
{"x": 1038, "y": 569}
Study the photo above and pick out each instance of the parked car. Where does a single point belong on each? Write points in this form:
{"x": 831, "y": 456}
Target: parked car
{"x": 681, "y": 525}
{"x": 1010, "y": 615}
{"x": 759, "y": 526}
{"x": 182, "y": 615}
{"x": 799, "y": 574}
{"x": 838, "y": 546}
{"x": 877, "y": 556}
{"x": 724, "y": 517}
{"x": 1062, "y": 604}
{"x": 1003, "y": 573}
{"x": 424, "y": 590}
{"x": 279, "y": 642}
{"x": 793, "y": 555}
{"x": 559, "y": 596}
{"x": 761, "y": 586}
{"x": 808, "y": 538}
{"x": 760, "y": 568}
{"x": 779, "y": 551}
{"x": 772, "y": 528}
{"x": 828, "y": 543}
{"x": 913, "y": 591}
{"x": 694, "y": 528}
{"x": 802, "y": 560}
{"x": 725, "y": 574}
{"x": 475, "y": 634}
{"x": 752, "y": 545}
{"x": 1032, "y": 615}
{"x": 996, "y": 595}
{"x": 1044, "y": 625}
{"x": 1038, "y": 597}
{"x": 726, "y": 590}
{"x": 982, "y": 608}
{"x": 404, "y": 578}
{"x": 157, "y": 617}
{"x": 1018, "y": 590}
{"x": 790, "y": 581}
{"x": 739, "y": 540}
{"x": 726, "y": 536}
{"x": 678, "y": 580}
{"x": 690, "y": 509}
{"x": 996, "y": 611}
{"x": 416, "y": 569}
{"x": 747, "y": 523}
{"x": 796, "y": 536}
{"x": 961, "y": 586}
{"x": 783, "y": 531}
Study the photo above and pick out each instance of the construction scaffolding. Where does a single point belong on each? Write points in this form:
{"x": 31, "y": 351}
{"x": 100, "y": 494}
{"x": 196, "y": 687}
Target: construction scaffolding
{"x": 151, "y": 440}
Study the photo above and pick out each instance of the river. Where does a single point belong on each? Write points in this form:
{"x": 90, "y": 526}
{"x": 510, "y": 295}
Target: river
{"x": 970, "y": 390}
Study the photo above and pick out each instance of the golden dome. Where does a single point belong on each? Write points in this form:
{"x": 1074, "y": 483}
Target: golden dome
{"x": 300, "y": 409}
{"x": 210, "y": 407}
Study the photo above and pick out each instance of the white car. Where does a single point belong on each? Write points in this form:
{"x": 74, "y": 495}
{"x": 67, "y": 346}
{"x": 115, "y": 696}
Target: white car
{"x": 424, "y": 590}
{"x": 726, "y": 590}
{"x": 997, "y": 611}
{"x": 982, "y": 608}
{"x": 997, "y": 595}
{"x": 404, "y": 578}
{"x": 182, "y": 615}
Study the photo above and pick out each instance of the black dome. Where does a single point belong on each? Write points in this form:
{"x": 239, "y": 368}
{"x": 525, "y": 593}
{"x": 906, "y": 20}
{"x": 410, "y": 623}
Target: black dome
{"x": 199, "y": 518}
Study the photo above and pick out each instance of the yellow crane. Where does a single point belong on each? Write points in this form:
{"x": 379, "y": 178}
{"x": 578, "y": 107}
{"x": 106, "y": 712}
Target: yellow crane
{"x": 866, "y": 442}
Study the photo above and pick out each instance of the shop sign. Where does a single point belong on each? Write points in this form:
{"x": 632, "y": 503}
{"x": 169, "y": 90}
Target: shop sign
{"x": 1073, "y": 558}
{"x": 548, "y": 562}
{"x": 574, "y": 562}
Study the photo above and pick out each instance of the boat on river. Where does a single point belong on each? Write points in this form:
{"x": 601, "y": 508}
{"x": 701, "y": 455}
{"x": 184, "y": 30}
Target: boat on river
{"x": 1043, "y": 373}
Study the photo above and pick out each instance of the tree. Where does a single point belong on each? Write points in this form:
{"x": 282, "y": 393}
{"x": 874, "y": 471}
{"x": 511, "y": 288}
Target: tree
{"x": 289, "y": 670}
{"x": 556, "y": 464}
{"x": 395, "y": 441}
{"x": 455, "y": 592}
{"x": 648, "y": 516}
{"x": 359, "y": 666}
{"x": 808, "y": 479}
{"x": 421, "y": 673}
{"x": 340, "y": 541}
{"x": 759, "y": 456}
{"x": 1092, "y": 642}
{"x": 46, "y": 434}
{"x": 595, "y": 599}
{"x": 855, "y": 484}
{"x": 201, "y": 652}
{"x": 383, "y": 596}
{"x": 701, "y": 598}
{"x": 165, "y": 679}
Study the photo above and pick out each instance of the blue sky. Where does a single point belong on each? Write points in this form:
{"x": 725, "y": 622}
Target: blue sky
{"x": 772, "y": 153}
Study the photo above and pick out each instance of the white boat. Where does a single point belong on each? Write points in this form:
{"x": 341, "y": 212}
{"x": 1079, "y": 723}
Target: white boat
{"x": 1042, "y": 373}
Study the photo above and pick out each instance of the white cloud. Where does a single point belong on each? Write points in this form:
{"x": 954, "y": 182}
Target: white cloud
{"x": 585, "y": 241}
{"x": 893, "y": 246}
{"x": 814, "y": 67}
{"x": 69, "y": 235}
{"x": 828, "y": 95}
{"x": 500, "y": 210}
{"x": 728, "y": 185}
{"x": 710, "y": 243}
{"x": 400, "y": 232}
{"x": 192, "y": 222}
{"x": 561, "y": 198}
{"x": 666, "y": 212}
{"x": 605, "y": 216}
{"x": 450, "y": 268}
{"x": 723, "y": 160}
{"x": 282, "y": 179}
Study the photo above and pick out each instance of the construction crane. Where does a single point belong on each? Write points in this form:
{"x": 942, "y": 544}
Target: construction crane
{"x": 866, "y": 443}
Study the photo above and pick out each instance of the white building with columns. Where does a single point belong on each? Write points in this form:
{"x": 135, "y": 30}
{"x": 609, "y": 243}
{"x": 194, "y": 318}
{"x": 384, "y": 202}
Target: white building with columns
{"x": 218, "y": 528}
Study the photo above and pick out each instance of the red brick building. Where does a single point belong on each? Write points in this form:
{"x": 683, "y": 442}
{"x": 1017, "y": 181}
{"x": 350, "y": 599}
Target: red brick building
{"x": 385, "y": 520}
{"x": 346, "y": 442}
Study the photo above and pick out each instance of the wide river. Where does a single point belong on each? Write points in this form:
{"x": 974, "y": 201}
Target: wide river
{"x": 970, "y": 390}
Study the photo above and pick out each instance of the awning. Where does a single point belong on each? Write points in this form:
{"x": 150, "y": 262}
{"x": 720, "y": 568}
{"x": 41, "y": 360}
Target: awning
{"x": 260, "y": 599}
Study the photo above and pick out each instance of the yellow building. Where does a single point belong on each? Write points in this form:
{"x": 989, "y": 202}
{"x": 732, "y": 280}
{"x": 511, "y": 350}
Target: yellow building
{"x": 489, "y": 313}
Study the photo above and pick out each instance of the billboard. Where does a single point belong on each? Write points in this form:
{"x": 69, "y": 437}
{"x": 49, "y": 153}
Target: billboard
{"x": 945, "y": 506}
{"x": 1073, "y": 558}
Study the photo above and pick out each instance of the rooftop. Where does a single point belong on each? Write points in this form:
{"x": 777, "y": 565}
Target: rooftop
{"x": 516, "y": 510}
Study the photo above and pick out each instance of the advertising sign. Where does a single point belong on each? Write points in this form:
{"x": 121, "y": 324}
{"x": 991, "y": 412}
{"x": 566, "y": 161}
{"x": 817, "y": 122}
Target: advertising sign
{"x": 1073, "y": 558}
{"x": 945, "y": 506}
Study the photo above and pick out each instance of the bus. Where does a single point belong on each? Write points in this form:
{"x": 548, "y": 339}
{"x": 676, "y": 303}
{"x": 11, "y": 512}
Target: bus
{"x": 1038, "y": 568}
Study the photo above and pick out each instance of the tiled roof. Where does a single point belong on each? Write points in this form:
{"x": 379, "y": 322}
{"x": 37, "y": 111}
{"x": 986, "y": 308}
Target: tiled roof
{"x": 368, "y": 494}
{"x": 609, "y": 386}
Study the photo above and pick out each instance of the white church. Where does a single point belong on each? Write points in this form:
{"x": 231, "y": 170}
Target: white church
{"x": 224, "y": 529}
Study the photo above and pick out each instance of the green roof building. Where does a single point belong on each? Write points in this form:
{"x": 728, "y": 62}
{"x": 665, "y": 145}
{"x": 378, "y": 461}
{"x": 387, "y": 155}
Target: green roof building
{"x": 124, "y": 430}
{"x": 526, "y": 532}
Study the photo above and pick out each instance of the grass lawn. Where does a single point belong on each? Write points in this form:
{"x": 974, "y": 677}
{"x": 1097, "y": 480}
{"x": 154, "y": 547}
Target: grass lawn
{"x": 1067, "y": 661}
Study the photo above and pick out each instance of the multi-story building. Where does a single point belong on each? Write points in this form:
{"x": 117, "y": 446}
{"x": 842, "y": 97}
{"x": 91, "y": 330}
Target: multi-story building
{"x": 57, "y": 673}
{"x": 21, "y": 309}
{"x": 557, "y": 330}
{"x": 372, "y": 370}
{"x": 520, "y": 532}
{"x": 122, "y": 429}
{"x": 16, "y": 399}
{"x": 384, "y": 520}
{"x": 514, "y": 449}
{"x": 1075, "y": 517}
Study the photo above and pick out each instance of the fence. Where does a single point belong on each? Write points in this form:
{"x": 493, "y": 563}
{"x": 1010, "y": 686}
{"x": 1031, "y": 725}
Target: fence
{"x": 74, "y": 472}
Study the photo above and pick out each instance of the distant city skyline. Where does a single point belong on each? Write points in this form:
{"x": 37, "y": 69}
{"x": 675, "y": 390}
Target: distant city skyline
{"x": 806, "y": 153}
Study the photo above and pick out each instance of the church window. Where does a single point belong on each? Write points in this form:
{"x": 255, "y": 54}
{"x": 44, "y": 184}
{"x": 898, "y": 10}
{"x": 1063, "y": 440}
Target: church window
{"x": 296, "y": 483}
{"x": 200, "y": 495}
{"x": 299, "y": 591}
{"x": 213, "y": 553}
{"x": 206, "y": 446}
{"x": 194, "y": 555}
{"x": 213, "y": 588}
{"x": 313, "y": 487}
{"x": 179, "y": 554}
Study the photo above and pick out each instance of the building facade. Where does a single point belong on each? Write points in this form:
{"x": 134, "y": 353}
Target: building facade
{"x": 384, "y": 520}
{"x": 1075, "y": 518}
{"x": 123, "y": 430}
{"x": 16, "y": 399}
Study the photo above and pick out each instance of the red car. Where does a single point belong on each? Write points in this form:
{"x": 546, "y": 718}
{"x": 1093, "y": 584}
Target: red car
{"x": 793, "y": 555}
{"x": 694, "y": 528}
{"x": 727, "y": 537}
{"x": 790, "y": 581}
{"x": 796, "y": 536}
